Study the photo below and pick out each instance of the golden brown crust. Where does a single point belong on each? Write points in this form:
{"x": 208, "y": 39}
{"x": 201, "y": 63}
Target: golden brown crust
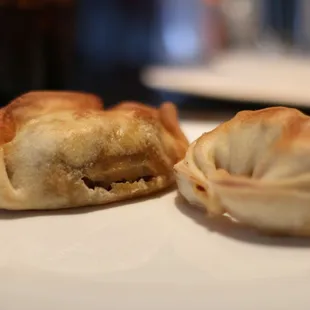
{"x": 167, "y": 115}
{"x": 61, "y": 149}
{"x": 36, "y": 103}
{"x": 256, "y": 168}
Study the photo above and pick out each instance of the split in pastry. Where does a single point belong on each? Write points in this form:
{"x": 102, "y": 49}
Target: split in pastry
{"x": 62, "y": 150}
{"x": 254, "y": 168}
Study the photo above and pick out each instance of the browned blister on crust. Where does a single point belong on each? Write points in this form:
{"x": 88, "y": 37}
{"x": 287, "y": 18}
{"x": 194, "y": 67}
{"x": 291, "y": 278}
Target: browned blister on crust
{"x": 255, "y": 168}
{"x": 62, "y": 150}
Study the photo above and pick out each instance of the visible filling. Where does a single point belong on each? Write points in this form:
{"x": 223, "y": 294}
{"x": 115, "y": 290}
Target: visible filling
{"x": 91, "y": 184}
{"x": 122, "y": 172}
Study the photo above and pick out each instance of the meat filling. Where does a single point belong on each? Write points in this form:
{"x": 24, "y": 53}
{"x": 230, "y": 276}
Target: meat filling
{"x": 93, "y": 184}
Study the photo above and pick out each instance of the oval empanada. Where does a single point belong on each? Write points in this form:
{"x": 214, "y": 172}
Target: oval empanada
{"x": 62, "y": 150}
{"x": 255, "y": 168}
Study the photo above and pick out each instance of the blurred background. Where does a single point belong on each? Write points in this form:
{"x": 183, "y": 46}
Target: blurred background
{"x": 104, "y": 46}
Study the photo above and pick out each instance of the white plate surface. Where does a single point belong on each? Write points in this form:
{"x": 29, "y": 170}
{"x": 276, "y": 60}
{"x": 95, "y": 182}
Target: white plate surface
{"x": 242, "y": 76}
{"x": 148, "y": 254}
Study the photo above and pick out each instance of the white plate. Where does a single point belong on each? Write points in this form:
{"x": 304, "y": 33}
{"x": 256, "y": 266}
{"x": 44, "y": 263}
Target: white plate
{"x": 245, "y": 77}
{"x": 148, "y": 254}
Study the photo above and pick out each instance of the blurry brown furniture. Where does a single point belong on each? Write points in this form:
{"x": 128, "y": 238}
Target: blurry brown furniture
{"x": 36, "y": 44}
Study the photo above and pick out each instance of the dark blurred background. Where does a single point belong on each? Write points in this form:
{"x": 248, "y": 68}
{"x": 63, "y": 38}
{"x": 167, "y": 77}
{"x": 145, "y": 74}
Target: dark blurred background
{"x": 101, "y": 46}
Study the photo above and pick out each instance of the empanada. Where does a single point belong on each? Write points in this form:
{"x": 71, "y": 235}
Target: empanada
{"x": 62, "y": 150}
{"x": 255, "y": 168}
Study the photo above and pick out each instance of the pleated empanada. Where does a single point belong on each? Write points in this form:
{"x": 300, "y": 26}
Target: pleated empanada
{"x": 255, "y": 168}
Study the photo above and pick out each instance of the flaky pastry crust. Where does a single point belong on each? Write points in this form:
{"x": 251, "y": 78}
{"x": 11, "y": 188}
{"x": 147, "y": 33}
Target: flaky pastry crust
{"x": 255, "y": 168}
{"x": 62, "y": 150}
